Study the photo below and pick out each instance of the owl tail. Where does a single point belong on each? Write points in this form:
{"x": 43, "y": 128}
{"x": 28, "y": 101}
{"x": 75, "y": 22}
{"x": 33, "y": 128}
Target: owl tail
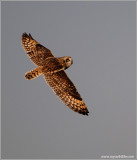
{"x": 34, "y": 73}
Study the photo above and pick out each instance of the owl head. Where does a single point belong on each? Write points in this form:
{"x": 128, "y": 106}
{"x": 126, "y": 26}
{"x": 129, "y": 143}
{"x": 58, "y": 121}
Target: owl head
{"x": 68, "y": 62}
{"x": 65, "y": 61}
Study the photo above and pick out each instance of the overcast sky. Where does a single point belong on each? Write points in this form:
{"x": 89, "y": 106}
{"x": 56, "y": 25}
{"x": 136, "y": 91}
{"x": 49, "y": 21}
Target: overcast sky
{"x": 100, "y": 37}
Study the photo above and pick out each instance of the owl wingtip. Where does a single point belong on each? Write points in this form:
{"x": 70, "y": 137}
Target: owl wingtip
{"x": 29, "y": 34}
{"x": 24, "y": 33}
{"x": 84, "y": 113}
{"x": 87, "y": 114}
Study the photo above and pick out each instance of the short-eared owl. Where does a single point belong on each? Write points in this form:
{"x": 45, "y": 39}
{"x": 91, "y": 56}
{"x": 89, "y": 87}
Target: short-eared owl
{"x": 53, "y": 70}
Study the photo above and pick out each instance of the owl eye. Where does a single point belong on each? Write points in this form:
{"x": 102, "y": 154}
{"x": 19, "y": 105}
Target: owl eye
{"x": 67, "y": 60}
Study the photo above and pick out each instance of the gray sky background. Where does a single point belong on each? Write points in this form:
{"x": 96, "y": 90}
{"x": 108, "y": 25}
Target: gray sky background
{"x": 101, "y": 39}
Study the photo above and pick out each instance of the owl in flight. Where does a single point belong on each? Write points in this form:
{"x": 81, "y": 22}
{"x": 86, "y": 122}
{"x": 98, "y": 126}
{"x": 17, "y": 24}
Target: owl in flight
{"x": 52, "y": 69}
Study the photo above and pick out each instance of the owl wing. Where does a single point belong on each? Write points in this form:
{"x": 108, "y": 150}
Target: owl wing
{"x": 35, "y": 51}
{"x": 66, "y": 91}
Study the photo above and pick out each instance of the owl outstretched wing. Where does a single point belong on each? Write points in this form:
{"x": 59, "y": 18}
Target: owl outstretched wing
{"x": 54, "y": 74}
{"x": 35, "y": 51}
{"x": 66, "y": 91}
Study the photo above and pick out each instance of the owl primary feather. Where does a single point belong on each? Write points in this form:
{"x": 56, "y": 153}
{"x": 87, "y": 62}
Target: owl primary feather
{"x": 52, "y": 68}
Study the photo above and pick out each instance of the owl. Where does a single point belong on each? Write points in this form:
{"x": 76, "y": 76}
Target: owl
{"x": 53, "y": 70}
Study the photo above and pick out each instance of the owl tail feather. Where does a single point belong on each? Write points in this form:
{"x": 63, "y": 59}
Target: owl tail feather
{"x": 34, "y": 73}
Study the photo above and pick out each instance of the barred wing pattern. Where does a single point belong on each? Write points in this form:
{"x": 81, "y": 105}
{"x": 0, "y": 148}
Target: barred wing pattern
{"x": 66, "y": 91}
{"x": 54, "y": 74}
{"x": 35, "y": 51}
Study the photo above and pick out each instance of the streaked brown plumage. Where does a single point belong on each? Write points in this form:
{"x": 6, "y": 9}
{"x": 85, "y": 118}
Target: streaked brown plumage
{"x": 53, "y": 70}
